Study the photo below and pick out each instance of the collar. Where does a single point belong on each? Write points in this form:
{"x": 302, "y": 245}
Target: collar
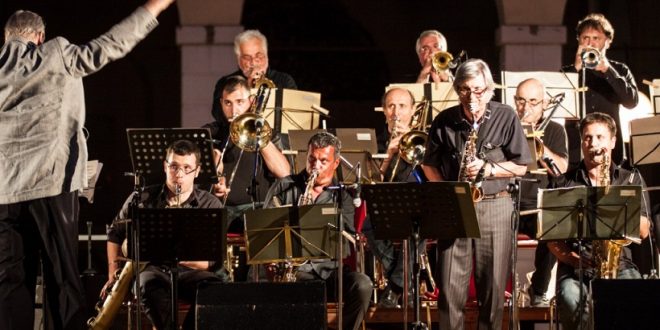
{"x": 192, "y": 200}
{"x": 582, "y": 175}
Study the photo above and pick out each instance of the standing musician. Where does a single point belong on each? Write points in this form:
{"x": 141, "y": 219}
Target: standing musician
{"x": 181, "y": 166}
{"x": 398, "y": 107}
{"x": 235, "y": 100}
{"x": 598, "y": 135}
{"x": 610, "y": 83}
{"x": 428, "y": 44}
{"x": 322, "y": 160}
{"x": 501, "y": 153}
{"x": 531, "y": 100}
{"x": 251, "y": 49}
{"x": 42, "y": 158}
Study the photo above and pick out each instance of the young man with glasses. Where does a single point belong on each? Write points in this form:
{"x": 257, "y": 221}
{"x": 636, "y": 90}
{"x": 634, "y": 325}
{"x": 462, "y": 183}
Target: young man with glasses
{"x": 502, "y": 153}
{"x": 181, "y": 166}
{"x": 531, "y": 100}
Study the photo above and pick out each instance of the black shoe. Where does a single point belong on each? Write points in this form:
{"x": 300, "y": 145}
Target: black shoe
{"x": 389, "y": 299}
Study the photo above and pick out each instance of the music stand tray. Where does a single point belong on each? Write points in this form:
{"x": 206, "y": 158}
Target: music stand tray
{"x": 147, "y": 147}
{"x": 444, "y": 210}
{"x": 291, "y": 234}
{"x": 589, "y": 213}
{"x": 172, "y": 235}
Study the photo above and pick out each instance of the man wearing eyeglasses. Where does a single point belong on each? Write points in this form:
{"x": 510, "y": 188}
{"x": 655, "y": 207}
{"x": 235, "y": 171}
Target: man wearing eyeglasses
{"x": 181, "y": 166}
{"x": 429, "y": 43}
{"x": 251, "y": 49}
{"x": 531, "y": 100}
{"x": 502, "y": 153}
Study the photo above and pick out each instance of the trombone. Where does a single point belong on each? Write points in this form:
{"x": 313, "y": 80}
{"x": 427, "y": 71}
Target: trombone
{"x": 412, "y": 145}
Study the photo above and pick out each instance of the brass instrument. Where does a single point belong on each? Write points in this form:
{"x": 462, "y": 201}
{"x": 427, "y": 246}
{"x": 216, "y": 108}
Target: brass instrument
{"x": 107, "y": 309}
{"x": 262, "y": 80}
{"x": 412, "y": 145}
{"x": 442, "y": 61}
{"x": 590, "y": 58}
{"x": 307, "y": 198}
{"x": 606, "y": 253}
{"x": 469, "y": 155}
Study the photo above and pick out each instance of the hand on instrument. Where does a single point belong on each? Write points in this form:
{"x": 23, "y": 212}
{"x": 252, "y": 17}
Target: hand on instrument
{"x": 107, "y": 287}
{"x": 220, "y": 189}
{"x": 428, "y": 74}
{"x": 603, "y": 63}
{"x": 401, "y": 129}
{"x": 474, "y": 167}
{"x": 217, "y": 159}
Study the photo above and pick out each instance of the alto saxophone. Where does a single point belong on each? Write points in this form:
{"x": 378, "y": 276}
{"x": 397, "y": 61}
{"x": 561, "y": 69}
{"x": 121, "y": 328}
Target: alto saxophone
{"x": 606, "y": 253}
{"x": 469, "y": 155}
{"x": 307, "y": 198}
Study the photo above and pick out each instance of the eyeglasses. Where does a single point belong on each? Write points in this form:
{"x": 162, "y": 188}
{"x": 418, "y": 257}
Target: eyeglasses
{"x": 521, "y": 101}
{"x": 174, "y": 168}
{"x": 465, "y": 91}
{"x": 258, "y": 57}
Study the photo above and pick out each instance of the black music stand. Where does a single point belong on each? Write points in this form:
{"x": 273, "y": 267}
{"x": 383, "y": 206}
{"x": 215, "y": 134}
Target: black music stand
{"x": 405, "y": 210}
{"x": 291, "y": 234}
{"x": 589, "y": 213}
{"x": 148, "y": 146}
{"x": 167, "y": 236}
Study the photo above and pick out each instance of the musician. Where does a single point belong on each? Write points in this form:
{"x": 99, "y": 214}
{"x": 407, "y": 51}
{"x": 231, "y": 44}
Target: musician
{"x": 272, "y": 164}
{"x": 428, "y": 44}
{"x": 43, "y": 158}
{"x": 251, "y": 49}
{"x": 530, "y": 100}
{"x": 610, "y": 84}
{"x": 598, "y": 134}
{"x": 398, "y": 107}
{"x": 505, "y": 154}
{"x": 181, "y": 166}
{"x": 323, "y": 158}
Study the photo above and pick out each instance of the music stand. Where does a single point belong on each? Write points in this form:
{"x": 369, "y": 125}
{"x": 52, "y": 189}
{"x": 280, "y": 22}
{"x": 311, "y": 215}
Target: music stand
{"x": 592, "y": 213}
{"x": 405, "y": 210}
{"x": 645, "y": 141}
{"x": 293, "y": 109}
{"x": 147, "y": 147}
{"x": 168, "y": 236}
{"x": 291, "y": 234}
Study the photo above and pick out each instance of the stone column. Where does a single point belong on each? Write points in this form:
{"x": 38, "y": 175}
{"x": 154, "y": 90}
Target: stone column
{"x": 206, "y": 40}
{"x": 531, "y": 34}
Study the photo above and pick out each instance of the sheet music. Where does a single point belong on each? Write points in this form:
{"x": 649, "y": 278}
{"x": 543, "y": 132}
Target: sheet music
{"x": 93, "y": 169}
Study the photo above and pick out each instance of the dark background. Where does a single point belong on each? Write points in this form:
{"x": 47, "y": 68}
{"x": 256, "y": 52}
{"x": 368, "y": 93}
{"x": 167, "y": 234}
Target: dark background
{"x": 347, "y": 50}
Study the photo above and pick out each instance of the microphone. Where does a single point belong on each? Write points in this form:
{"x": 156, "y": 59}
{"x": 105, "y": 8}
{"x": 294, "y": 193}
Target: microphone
{"x": 357, "y": 201}
{"x": 552, "y": 165}
{"x": 352, "y": 187}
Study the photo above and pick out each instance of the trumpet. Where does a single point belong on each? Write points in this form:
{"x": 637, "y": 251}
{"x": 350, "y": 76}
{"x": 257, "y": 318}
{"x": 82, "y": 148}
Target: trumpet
{"x": 590, "y": 57}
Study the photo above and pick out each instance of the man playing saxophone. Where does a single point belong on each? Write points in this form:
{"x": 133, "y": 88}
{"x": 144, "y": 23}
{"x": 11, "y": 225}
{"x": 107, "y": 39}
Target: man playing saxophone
{"x": 182, "y": 165}
{"x": 501, "y": 152}
{"x": 598, "y": 135}
{"x": 322, "y": 161}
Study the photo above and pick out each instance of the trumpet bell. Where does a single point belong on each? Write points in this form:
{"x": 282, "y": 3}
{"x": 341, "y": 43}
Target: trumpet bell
{"x": 590, "y": 58}
{"x": 442, "y": 61}
{"x": 243, "y": 132}
{"x": 412, "y": 146}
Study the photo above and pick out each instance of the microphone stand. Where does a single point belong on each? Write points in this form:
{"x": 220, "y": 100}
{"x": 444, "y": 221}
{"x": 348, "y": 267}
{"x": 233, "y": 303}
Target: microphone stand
{"x": 514, "y": 190}
{"x": 337, "y": 196}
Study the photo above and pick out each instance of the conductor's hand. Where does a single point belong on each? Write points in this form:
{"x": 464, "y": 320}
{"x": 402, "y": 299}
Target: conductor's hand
{"x": 155, "y": 7}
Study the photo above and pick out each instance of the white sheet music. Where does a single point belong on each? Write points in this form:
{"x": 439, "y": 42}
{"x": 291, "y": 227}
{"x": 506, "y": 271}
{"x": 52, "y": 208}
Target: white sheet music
{"x": 93, "y": 172}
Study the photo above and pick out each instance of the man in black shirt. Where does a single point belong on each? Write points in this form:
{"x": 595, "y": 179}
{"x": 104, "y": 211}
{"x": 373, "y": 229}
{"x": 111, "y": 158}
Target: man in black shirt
{"x": 251, "y": 49}
{"x": 181, "y": 166}
{"x": 531, "y": 100}
{"x": 598, "y": 133}
{"x": 323, "y": 159}
{"x": 501, "y": 153}
{"x": 610, "y": 84}
{"x": 235, "y": 100}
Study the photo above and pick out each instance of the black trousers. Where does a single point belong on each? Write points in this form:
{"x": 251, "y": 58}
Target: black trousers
{"x": 156, "y": 293}
{"x": 46, "y": 229}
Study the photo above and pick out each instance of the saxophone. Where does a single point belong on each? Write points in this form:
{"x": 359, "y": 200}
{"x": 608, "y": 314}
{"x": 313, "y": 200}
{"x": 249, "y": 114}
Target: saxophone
{"x": 306, "y": 198}
{"x": 469, "y": 155}
{"x": 107, "y": 310}
{"x": 606, "y": 253}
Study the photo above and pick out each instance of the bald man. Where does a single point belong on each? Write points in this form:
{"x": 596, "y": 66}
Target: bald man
{"x": 530, "y": 102}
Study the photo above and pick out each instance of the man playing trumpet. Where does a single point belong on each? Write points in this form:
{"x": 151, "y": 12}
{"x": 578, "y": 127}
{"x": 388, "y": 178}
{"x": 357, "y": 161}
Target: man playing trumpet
{"x": 429, "y": 43}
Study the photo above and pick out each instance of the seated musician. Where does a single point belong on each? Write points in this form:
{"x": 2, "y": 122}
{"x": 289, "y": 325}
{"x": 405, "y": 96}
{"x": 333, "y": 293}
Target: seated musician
{"x": 322, "y": 160}
{"x": 181, "y": 166}
{"x": 398, "y": 107}
{"x": 238, "y": 169}
{"x": 552, "y": 155}
{"x": 598, "y": 135}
